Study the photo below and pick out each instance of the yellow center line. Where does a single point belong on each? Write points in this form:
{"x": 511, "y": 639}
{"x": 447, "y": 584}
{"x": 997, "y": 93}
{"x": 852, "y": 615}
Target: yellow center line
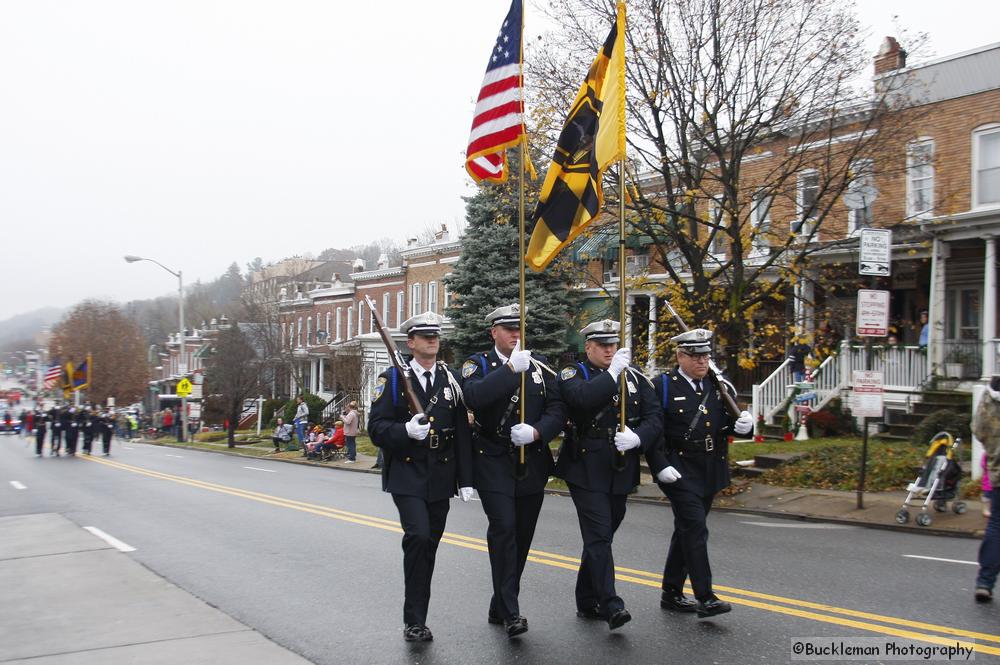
{"x": 631, "y": 575}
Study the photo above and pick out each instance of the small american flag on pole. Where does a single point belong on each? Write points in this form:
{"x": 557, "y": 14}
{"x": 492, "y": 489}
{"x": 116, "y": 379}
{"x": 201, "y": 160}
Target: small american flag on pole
{"x": 498, "y": 121}
{"x": 52, "y": 376}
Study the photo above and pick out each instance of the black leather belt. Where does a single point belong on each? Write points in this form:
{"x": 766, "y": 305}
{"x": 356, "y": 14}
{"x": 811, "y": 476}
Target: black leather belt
{"x": 702, "y": 446}
{"x": 441, "y": 438}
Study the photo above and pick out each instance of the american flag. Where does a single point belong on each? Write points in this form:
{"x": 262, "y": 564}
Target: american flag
{"x": 498, "y": 123}
{"x": 52, "y": 376}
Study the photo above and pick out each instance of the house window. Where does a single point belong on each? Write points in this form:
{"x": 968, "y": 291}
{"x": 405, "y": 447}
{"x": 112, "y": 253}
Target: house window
{"x": 298, "y": 335}
{"x": 339, "y": 312}
{"x": 432, "y": 296}
{"x": 760, "y": 223}
{"x": 350, "y": 322}
{"x": 986, "y": 166}
{"x": 283, "y": 334}
{"x": 361, "y": 317}
{"x": 385, "y": 309}
{"x": 399, "y": 308}
{"x": 309, "y": 331}
{"x": 447, "y": 292}
{"x": 328, "y": 326}
{"x": 415, "y": 299}
{"x": 920, "y": 178}
{"x": 637, "y": 264}
{"x": 860, "y": 195}
{"x": 716, "y": 229}
{"x": 806, "y": 197}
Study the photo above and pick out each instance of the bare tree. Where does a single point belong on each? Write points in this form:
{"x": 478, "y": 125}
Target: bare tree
{"x": 730, "y": 104}
{"x": 234, "y": 374}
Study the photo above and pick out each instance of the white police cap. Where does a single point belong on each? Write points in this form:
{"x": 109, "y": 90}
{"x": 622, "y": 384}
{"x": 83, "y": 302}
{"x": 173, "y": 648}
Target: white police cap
{"x": 428, "y": 324}
{"x": 698, "y": 340}
{"x": 605, "y": 331}
{"x": 508, "y": 316}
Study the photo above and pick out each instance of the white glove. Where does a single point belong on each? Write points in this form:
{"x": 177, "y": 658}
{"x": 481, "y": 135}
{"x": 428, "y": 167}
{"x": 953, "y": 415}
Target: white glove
{"x": 519, "y": 360}
{"x": 522, "y": 434}
{"x": 415, "y": 430}
{"x": 743, "y": 424}
{"x": 465, "y": 493}
{"x": 626, "y": 440}
{"x": 621, "y": 360}
{"x": 668, "y": 475}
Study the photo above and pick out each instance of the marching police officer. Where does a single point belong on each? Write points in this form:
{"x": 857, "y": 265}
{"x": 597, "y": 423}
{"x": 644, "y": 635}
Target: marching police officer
{"x": 696, "y": 435}
{"x": 424, "y": 462}
{"x": 40, "y": 426}
{"x": 55, "y": 418}
{"x": 69, "y": 419}
{"x": 511, "y": 496}
{"x": 601, "y": 464}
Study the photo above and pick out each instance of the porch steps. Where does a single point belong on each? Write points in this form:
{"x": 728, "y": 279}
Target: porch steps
{"x": 933, "y": 400}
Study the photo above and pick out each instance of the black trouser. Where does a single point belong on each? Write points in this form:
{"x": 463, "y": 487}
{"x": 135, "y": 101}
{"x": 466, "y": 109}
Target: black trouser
{"x": 512, "y": 526}
{"x": 56, "y": 440}
{"x": 599, "y": 513}
{"x": 106, "y": 442}
{"x": 71, "y": 436}
{"x": 88, "y": 440}
{"x": 423, "y": 523}
{"x": 39, "y": 440}
{"x": 688, "y": 554}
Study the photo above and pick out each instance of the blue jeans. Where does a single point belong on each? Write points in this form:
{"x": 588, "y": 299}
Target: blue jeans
{"x": 352, "y": 449}
{"x": 989, "y": 551}
{"x": 300, "y": 432}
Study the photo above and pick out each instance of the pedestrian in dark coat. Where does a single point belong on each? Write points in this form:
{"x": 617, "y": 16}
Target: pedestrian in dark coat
{"x": 39, "y": 423}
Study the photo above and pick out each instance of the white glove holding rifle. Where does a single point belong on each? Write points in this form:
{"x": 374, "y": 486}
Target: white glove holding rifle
{"x": 415, "y": 430}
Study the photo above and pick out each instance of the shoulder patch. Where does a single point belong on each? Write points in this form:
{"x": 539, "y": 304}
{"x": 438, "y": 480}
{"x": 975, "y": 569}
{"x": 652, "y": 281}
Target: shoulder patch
{"x": 379, "y": 388}
{"x": 469, "y": 368}
{"x": 567, "y": 373}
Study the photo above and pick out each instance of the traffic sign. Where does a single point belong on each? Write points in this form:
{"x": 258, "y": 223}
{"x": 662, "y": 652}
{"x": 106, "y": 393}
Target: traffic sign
{"x": 875, "y": 256}
{"x": 866, "y": 400}
{"x": 873, "y": 313}
{"x": 184, "y": 388}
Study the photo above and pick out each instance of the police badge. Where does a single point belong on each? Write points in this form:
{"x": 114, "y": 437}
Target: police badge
{"x": 379, "y": 388}
{"x": 567, "y": 373}
{"x": 447, "y": 393}
{"x": 469, "y": 368}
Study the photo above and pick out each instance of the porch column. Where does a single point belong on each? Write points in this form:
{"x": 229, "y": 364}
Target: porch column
{"x": 651, "y": 342}
{"x": 989, "y": 325}
{"x": 319, "y": 378}
{"x": 804, "y": 298}
{"x": 935, "y": 309}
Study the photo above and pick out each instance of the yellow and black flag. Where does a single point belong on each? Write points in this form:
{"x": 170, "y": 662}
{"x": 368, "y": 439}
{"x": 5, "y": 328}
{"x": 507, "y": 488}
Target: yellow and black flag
{"x": 592, "y": 138}
{"x": 80, "y": 374}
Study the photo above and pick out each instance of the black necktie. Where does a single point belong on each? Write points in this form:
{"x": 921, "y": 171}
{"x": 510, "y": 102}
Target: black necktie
{"x": 697, "y": 386}
{"x": 427, "y": 382}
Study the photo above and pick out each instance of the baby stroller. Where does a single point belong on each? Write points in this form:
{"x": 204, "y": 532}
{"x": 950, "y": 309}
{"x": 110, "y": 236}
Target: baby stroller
{"x": 938, "y": 481}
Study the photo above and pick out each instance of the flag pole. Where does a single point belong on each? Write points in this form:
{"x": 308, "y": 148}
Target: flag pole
{"x": 521, "y": 468}
{"x": 621, "y": 285}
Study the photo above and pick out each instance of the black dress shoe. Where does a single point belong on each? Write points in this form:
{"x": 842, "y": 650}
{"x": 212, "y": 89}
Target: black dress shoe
{"x": 619, "y": 619}
{"x": 515, "y": 626}
{"x": 713, "y": 606}
{"x": 493, "y": 618}
{"x": 675, "y": 601}
{"x": 416, "y": 632}
{"x": 590, "y": 613}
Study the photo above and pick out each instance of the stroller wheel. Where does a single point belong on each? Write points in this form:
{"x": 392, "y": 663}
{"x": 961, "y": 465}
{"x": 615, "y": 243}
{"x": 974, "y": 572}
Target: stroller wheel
{"x": 923, "y": 519}
{"x": 903, "y": 516}
{"x": 958, "y": 507}
{"x": 941, "y": 506}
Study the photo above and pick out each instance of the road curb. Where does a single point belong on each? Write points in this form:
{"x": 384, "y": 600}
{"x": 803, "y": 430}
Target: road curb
{"x": 657, "y": 501}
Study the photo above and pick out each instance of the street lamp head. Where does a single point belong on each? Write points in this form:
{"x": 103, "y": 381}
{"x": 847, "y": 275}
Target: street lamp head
{"x": 129, "y": 258}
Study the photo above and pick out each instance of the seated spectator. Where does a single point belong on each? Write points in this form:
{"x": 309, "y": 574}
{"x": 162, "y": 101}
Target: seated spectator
{"x": 335, "y": 441}
{"x": 282, "y": 434}
{"x": 314, "y": 442}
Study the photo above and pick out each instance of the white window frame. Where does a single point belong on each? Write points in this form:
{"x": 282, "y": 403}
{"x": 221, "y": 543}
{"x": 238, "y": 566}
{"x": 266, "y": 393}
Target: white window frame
{"x": 309, "y": 330}
{"x": 977, "y": 135}
{"x": 350, "y": 322}
{"x": 385, "y": 309}
{"x": 760, "y": 224}
{"x": 447, "y": 292}
{"x": 415, "y": 299}
{"x": 400, "y": 301}
{"x": 636, "y": 264}
{"x": 715, "y": 213}
{"x": 804, "y": 224}
{"x": 920, "y": 181}
{"x": 283, "y": 326}
{"x": 361, "y": 317}
{"x": 867, "y": 167}
{"x": 340, "y": 311}
{"x": 298, "y": 336}
{"x": 432, "y": 296}
{"x": 328, "y": 327}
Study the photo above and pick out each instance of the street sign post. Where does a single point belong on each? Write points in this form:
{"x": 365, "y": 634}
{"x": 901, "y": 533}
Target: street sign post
{"x": 875, "y": 256}
{"x": 873, "y": 313}
{"x": 866, "y": 399}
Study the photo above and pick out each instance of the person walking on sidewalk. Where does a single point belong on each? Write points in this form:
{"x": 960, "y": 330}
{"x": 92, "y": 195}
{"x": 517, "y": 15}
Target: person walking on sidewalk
{"x": 351, "y": 426}
{"x": 301, "y": 420}
{"x": 696, "y": 430}
{"x": 986, "y": 428}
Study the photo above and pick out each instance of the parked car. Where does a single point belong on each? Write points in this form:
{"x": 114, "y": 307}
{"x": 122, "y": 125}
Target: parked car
{"x": 13, "y": 427}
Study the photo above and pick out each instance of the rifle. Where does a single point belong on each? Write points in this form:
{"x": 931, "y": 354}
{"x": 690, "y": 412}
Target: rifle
{"x": 714, "y": 375}
{"x": 397, "y": 361}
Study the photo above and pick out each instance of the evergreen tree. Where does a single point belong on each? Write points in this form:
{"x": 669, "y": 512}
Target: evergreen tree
{"x": 486, "y": 277}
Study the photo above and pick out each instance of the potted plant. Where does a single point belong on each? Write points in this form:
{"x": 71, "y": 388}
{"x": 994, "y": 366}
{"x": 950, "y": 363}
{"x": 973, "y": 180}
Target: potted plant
{"x": 954, "y": 364}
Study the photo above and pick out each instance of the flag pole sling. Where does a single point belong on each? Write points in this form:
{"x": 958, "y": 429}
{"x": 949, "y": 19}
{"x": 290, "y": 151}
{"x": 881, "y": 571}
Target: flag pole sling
{"x": 621, "y": 298}
{"x": 521, "y": 470}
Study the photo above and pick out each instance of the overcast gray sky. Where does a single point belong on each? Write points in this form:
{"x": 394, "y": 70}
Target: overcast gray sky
{"x": 204, "y": 132}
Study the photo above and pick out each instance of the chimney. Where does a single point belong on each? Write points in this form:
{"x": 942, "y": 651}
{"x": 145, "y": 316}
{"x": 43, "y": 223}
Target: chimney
{"x": 359, "y": 265}
{"x": 890, "y": 56}
{"x": 383, "y": 262}
{"x": 411, "y": 242}
{"x": 442, "y": 235}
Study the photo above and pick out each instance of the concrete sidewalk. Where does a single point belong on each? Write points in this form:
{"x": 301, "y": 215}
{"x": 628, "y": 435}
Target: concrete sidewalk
{"x": 72, "y": 599}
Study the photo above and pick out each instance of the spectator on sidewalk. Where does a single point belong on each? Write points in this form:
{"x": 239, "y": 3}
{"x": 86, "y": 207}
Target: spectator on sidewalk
{"x": 301, "y": 419}
{"x": 166, "y": 422}
{"x": 282, "y": 435}
{"x": 351, "y": 426}
{"x": 986, "y": 428}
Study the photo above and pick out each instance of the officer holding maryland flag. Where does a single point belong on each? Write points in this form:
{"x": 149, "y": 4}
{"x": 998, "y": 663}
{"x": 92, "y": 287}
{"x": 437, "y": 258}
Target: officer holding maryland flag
{"x": 511, "y": 498}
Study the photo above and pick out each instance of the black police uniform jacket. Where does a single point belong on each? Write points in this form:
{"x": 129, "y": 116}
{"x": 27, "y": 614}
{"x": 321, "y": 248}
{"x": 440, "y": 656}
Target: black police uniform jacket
{"x": 588, "y": 451}
{"x": 703, "y": 471}
{"x": 436, "y": 466}
{"x": 489, "y": 387}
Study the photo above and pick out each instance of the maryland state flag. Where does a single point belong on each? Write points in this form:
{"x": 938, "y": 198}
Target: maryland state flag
{"x": 592, "y": 138}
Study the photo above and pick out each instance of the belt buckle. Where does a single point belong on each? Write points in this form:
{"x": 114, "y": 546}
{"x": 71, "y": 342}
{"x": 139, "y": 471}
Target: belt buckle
{"x": 709, "y": 443}
{"x": 432, "y": 441}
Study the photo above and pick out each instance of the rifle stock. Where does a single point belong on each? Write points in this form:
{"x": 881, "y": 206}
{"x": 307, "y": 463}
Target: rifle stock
{"x": 713, "y": 375}
{"x": 397, "y": 362}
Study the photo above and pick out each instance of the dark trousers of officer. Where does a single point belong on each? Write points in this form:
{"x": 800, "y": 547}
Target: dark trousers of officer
{"x": 88, "y": 442}
{"x": 39, "y": 440}
{"x": 56, "y": 441}
{"x": 423, "y": 523}
{"x": 508, "y": 537}
{"x": 599, "y": 513}
{"x": 71, "y": 436}
{"x": 688, "y": 554}
{"x": 106, "y": 442}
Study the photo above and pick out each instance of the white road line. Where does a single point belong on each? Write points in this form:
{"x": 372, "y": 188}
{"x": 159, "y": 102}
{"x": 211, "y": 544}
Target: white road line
{"x": 18, "y": 486}
{"x": 177, "y": 456}
{"x": 110, "y": 540}
{"x": 937, "y": 558}
{"x": 127, "y": 448}
{"x": 254, "y": 468}
{"x": 805, "y": 525}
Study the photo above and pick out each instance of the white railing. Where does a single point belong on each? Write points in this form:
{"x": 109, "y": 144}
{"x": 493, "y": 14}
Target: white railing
{"x": 828, "y": 382}
{"x": 902, "y": 367}
{"x": 770, "y": 395}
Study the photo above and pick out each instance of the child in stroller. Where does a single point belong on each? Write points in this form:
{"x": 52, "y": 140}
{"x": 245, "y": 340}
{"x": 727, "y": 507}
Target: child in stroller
{"x": 938, "y": 480}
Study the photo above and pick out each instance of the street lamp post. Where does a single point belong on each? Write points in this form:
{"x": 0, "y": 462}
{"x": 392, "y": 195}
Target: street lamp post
{"x": 181, "y": 365}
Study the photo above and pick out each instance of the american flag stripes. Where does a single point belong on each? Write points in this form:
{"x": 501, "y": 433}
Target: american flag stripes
{"x": 498, "y": 122}
{"x": 52, "y": 376}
